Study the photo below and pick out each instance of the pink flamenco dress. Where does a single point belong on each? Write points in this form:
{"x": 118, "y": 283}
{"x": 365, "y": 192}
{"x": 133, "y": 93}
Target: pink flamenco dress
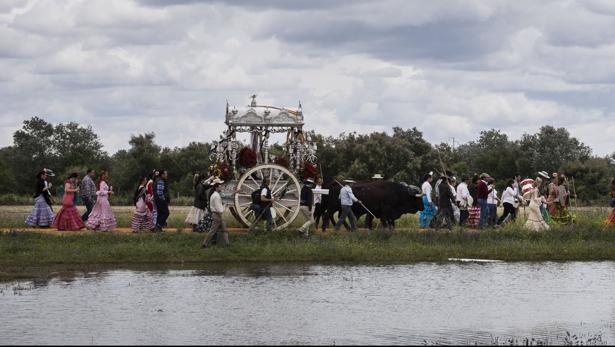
{"x": 142, "y": 218}
{"x": 68, "y": 217}
{"x": 102, "y": 217}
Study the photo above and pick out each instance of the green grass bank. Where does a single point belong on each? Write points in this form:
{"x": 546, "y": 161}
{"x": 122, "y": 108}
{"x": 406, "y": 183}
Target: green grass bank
{"x": 21, "y": 251}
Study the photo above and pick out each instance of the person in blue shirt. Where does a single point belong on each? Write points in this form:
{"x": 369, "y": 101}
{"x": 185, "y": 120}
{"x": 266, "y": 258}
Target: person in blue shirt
{"x": 162, "y": 199}
{"x": 347, "y": 199}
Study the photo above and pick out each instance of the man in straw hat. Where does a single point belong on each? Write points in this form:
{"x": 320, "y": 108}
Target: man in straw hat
{"x": 217, "y": 209}
{"x": 347, "y": 199}
{"x": 446, "y": 199}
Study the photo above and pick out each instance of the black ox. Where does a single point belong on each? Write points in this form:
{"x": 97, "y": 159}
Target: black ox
{"x": 386, "y": 200}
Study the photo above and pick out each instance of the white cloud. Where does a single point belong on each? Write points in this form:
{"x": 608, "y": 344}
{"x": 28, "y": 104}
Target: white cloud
{"x": 450, "y": 69}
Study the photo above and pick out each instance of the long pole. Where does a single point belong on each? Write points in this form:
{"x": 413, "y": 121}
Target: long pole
{"x": 441, "y": 162}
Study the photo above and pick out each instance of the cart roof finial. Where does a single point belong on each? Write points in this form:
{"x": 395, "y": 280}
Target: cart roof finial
{"x": 253, "y": 103}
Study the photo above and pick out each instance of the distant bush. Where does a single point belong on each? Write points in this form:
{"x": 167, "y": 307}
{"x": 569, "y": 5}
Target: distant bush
{"x": 15, "y": 199}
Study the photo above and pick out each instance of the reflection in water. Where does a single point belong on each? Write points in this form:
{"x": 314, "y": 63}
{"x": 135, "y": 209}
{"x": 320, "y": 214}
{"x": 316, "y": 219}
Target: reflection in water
{"x": 291, "y": 304}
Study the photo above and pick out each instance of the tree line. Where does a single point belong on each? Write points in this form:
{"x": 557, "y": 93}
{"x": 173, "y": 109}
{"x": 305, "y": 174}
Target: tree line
{"x": 403, "y": 156}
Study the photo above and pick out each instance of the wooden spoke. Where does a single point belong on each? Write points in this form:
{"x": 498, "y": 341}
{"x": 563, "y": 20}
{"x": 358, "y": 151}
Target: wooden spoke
{"x": 280, "y": 189}
{"x": 281, "y": 215}
{"x": 276, "y": 183}
{"x": 252, "y": 178}
{"x": 286, "y": 209}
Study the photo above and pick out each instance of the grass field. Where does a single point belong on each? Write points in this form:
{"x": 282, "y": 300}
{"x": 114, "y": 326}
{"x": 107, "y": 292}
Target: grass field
{"x": 22, "y": 251}
{"x": 15, "y": 216}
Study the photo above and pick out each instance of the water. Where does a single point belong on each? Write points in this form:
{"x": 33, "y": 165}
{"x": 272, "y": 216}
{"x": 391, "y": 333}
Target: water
{"x": 304, "y": 304}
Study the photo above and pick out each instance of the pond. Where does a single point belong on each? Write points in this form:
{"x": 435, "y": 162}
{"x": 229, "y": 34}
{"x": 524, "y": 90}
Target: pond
{"x": 425, "y": 303}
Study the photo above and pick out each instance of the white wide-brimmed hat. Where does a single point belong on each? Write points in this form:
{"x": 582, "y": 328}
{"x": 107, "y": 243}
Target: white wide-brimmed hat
{"x": 309, "y": 180}
{"x": 349, "y": 180}
{"x": 544, "y": 174}
{"x": 377, "y": 176}
{"x": 217, "y": 181}
{"x": 48, "y": 172}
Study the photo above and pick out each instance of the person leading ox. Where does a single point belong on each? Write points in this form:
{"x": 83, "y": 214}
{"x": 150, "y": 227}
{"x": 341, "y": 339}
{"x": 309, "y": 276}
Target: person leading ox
{"x": 347, "y": 198}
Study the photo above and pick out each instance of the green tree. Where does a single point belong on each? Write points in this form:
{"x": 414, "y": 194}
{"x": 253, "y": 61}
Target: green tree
{"x": 550, "y": 148}
{"x": 76, "y": 147}
{"x": 127, "y": 165}
{"x": 7, "y": 178}
{"x": 591, "y": 179}
{"x": 32, "y": 151}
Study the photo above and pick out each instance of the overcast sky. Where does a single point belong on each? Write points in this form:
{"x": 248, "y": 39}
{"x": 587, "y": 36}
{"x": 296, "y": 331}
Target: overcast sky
{"x": 450, "y": 68}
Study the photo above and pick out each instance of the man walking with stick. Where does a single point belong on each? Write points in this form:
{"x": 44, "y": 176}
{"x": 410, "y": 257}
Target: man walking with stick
{"x": 347, "y": 199}
{"x": 218, "y": 227}
{"x": 262, "y": 207}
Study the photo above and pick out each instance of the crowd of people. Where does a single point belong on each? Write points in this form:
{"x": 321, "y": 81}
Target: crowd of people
{"x": 471, "y": 202}
{"x": 151, "y": 200}
{"x": 474, "y": 201}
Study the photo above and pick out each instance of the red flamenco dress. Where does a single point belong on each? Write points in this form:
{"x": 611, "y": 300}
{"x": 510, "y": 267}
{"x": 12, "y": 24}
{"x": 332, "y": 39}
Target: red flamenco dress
{"x": 611, "y": 219}
{"x": 68, "y": 217}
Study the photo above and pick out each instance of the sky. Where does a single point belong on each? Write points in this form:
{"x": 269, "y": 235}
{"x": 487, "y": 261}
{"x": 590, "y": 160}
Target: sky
{"x": 449, "y": 68}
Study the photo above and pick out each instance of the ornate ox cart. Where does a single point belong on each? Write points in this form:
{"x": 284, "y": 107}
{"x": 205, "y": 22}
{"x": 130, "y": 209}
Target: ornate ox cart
{"x": 243, "y": 167}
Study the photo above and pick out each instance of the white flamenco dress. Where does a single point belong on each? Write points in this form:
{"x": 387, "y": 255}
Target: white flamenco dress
{"x": 535, "y": 221}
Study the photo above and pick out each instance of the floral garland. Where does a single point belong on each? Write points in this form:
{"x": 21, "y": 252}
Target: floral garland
{"x": 310, "y": 170}
{"x": 247, "y": 157}
{"x": 282, "y": 160}
{"x": 221, "y": 170}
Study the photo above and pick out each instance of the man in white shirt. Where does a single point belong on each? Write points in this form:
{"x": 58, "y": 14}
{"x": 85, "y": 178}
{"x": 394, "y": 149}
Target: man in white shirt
{"x": 508, "y": 200}
{"x": 217, "y": 209}
{"x": 463, "y": 199}
{"x": 347, "y": 199}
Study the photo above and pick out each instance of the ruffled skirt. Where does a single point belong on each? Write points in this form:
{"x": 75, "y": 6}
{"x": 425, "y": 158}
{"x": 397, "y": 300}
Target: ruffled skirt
{"x": 561, "y": 215}
{"x": 194, "y": 215}
{"x": 101, "y": 217}
{"x": 535, "y": 220}
{"x": 474, "y": 216}
{"x": 142, "y": 221}
{"x": 426, "y": 215}
{"x": 68, "y": 218}
{"x": 41, "y": 214}
{"x": 611, "y": 219}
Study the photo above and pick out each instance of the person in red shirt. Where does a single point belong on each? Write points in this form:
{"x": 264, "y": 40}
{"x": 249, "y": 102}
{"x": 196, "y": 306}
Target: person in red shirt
{"x": 482, "y": 193}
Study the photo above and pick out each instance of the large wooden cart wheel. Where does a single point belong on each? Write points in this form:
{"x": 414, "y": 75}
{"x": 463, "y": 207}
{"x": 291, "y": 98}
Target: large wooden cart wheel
{"x": 284, "y": 187}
